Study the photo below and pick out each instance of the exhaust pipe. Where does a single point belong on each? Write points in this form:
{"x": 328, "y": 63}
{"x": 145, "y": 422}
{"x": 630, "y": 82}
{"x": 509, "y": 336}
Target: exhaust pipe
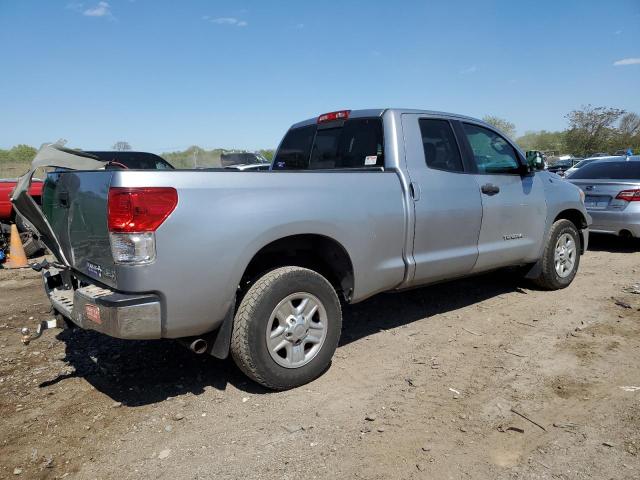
{"x": 199, "y": 345}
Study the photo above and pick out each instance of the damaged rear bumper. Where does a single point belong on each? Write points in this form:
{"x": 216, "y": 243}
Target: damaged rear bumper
{"x": 93, "y": 307}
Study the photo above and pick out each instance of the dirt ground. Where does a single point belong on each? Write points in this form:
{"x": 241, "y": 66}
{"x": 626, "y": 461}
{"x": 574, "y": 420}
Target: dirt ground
{"x": 481, "y": 378}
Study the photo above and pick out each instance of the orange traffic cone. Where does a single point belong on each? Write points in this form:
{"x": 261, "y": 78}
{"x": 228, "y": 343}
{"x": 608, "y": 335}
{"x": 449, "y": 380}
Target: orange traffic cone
{"x": 16, "y": 257}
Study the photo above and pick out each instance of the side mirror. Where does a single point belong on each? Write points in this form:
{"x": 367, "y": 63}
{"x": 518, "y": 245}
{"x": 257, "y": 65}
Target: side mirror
{"x": 535, "y": 161}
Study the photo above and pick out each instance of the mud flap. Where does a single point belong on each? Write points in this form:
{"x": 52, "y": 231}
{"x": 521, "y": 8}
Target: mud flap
{"x": 535, "y": 271}
{"x": 222, "y": 342}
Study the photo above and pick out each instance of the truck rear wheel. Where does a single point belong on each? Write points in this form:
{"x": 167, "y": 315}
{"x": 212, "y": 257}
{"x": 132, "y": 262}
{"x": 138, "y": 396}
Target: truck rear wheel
{"x": 561, "y": 257}
{"x": 286, "y": 328}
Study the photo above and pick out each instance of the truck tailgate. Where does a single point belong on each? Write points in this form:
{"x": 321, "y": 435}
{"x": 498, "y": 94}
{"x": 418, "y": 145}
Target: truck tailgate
{"x": 75, "y": 205}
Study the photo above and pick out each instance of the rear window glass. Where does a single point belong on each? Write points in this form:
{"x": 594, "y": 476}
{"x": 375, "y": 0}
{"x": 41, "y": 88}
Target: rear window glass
{"x": 582, "y": 163}
{"x": 356, "y": 143}
{"x": 294, "y": 151}
{"x": 622, "y": 170}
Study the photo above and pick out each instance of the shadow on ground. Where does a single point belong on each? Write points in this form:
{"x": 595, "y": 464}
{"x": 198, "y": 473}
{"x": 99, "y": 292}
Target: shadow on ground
{"x": 145, "y": 372}
{"x": 613, "y": 244}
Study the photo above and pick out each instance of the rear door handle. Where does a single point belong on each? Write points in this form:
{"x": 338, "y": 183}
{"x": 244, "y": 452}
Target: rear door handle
{"x": 490, "y": 189}
{"x": 414, "y": 189}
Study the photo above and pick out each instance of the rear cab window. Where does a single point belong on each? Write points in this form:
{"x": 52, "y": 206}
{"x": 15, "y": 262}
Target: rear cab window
{"x": 343, "y": 144}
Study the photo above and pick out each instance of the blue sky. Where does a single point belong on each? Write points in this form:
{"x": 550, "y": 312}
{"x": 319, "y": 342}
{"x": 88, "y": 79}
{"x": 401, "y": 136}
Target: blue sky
{"x": 164, "y": 75}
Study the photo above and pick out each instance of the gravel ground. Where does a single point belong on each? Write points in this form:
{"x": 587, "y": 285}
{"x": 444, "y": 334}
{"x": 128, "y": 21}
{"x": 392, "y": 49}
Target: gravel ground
{"x": 481, "y": 378}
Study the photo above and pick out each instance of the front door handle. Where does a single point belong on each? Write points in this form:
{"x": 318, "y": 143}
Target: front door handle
{"x": 490, "y": 189}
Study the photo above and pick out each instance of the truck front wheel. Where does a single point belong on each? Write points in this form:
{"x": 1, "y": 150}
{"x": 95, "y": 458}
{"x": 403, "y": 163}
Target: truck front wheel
{"x": 561, "y": 257}
{"x": 286, "y": 328}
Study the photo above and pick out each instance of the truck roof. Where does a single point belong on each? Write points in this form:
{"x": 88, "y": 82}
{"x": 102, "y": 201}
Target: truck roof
{"x": 378, "y": 112}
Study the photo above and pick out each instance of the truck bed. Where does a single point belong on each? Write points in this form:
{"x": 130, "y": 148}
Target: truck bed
{"x": 222, "y": 219}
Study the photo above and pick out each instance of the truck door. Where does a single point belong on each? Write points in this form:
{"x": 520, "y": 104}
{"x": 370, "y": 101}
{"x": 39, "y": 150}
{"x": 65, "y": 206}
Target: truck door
{"x": 446, "y": 200}
{"x": 513, "y": 200}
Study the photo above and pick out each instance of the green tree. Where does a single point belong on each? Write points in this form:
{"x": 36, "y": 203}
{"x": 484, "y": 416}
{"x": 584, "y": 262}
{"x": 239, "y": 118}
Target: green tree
{"x": 500, "y": 123}
{"x": 592, "y": 129}
{"x": 194, "y": 157}
{"x": 267, "y": 153}
{"x": 22, "y": 153}
{"x": 198, "y": 157}
{"x": 628, "y": 133}
{"x": 629, "y": 124}
{"x": 542, "y": 140}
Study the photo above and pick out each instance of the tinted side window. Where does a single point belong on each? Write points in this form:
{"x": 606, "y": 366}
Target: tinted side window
{"x": 622, "y": 170}
{"x": 440, "y": 146}
{"x": 294, "y": 151}
{"x": 357, "y": 143}
{"x": 491, "y": 152}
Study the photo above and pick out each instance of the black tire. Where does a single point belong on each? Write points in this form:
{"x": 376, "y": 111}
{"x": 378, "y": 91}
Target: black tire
{"x": 248, "y": 342}
{"x": 548, "y": 278}
{"x": 30, "y": 244}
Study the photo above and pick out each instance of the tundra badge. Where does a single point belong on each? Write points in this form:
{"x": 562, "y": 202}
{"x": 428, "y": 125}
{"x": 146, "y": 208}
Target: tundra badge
{"x": 513, "y": 236}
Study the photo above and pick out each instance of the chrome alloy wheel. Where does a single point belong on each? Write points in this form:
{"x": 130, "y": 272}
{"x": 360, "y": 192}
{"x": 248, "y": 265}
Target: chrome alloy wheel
{"x": 565, "y": 255}
{"x": 296, "y": 330}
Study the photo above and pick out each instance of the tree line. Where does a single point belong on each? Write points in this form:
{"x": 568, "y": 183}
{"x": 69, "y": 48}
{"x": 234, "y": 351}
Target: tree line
{"x": 194, "y": 156}
{"x": 18, "y": 154}
{"x": 589, "y": 130}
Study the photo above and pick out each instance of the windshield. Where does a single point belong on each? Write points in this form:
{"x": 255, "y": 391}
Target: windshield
{"x": 355, "y": 143}
{"x": 604, "y": 170}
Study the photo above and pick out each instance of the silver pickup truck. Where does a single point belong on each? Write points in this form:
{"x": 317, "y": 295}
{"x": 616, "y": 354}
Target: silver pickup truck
{"x": 259, "y": 263}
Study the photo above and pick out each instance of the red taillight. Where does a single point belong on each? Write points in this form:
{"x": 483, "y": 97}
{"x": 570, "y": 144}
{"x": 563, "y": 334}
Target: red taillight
{"x": 140, "y": 209}
{"x": 629, "y": 195}
{"x": 328, "y": 117}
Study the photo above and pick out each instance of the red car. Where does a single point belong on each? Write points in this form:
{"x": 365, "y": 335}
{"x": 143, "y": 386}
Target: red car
{"x": 7, "y": 215}
{"x": 6, "y": 187}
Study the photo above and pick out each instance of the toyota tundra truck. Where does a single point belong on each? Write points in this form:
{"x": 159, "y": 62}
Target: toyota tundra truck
{"x": 259, "y": 263}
